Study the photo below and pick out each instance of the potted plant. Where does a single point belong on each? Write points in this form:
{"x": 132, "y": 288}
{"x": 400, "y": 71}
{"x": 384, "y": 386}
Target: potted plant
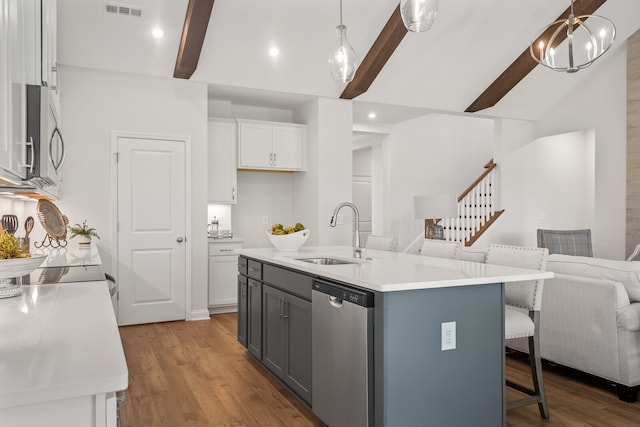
{"x": 83, "y": 232}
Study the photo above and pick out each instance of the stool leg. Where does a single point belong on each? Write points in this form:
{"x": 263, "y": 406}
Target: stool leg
{"x": 536, "y": 370}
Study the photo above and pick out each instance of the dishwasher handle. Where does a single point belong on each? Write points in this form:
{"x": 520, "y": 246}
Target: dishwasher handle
{"x": 342, "y": 293}
{"x": 335, "y": 301}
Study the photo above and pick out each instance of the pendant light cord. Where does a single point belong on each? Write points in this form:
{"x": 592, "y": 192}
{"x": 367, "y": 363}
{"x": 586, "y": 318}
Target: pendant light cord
{"x": 340, "y": 12}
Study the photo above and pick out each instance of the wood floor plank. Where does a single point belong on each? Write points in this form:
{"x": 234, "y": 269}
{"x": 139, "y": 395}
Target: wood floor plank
{"x": 195, "y": 374}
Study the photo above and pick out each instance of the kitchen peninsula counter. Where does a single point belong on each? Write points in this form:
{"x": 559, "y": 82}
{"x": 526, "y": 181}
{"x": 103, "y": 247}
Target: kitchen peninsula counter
{"x": 383, "y": 271}
{"x": 417, "y": 379}
{"x": 61, "y": 353}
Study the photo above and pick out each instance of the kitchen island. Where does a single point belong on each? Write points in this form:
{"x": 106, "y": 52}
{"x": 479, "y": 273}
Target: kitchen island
{"x": 416, "y": 374}
{"x": 60, "y": 351}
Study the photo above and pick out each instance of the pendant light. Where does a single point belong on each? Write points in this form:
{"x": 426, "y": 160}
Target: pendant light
{"x": 569, "y": 45}
{"x": 342, "y": 61}
{"x": 418, "y": 15}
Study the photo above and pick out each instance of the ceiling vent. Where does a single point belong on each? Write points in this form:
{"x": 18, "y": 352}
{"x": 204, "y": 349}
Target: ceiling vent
{"x": 123, "y": 10}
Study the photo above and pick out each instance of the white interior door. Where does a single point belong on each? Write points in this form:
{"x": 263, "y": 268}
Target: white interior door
{"x": 151, "y": 210}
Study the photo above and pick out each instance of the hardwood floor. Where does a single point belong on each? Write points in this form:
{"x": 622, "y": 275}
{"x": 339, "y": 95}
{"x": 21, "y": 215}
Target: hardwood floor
{"x": 196, "y": 374}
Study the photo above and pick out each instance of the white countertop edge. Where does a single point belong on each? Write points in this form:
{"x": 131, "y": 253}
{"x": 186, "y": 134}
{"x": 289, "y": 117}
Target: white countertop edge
{"x": 383, "y": 271}
{"x": 224, "y": 240}
{"x": 412, "y": 286}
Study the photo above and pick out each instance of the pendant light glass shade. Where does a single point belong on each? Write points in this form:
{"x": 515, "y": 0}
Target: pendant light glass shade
{"x": 342, "y": 61}
{"x": 571, "y": 44}
{"x": 418, "y": 15}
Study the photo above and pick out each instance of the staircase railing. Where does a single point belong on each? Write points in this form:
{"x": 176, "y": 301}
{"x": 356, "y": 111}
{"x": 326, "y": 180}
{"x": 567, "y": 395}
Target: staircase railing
{"x": 476, "y": 209}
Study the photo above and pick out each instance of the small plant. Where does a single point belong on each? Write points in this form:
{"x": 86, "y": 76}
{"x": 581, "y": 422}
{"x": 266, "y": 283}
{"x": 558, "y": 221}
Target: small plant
{"x": 10, "y": 247}
{"x": 83, "y": 230}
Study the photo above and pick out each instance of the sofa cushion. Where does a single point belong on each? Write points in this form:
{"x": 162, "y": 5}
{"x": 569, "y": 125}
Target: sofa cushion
{"x": 627, "y": 273}
{"x": 475, "y": 255}
{"x": 629, "y": 317}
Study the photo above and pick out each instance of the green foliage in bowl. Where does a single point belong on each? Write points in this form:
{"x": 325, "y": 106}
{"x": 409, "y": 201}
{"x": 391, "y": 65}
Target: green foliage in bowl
{"x": 279, "y": 229}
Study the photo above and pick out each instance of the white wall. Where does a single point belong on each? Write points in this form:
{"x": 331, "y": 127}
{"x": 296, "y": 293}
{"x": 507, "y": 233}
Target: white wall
{"x": 362, "y": 189}
{"x": 436, "y": 153}
{"x": 547, "y": 183}
{"x": 600, "y": 104}
{"x": 307, "y": 197}
{"x": 96, "y": 103}
{"x": 262, "y": 194}
{"x": 23, "y": 208}
{"x": 327, "y": 181}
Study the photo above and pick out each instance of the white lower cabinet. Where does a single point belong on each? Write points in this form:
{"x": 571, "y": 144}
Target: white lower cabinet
{"x": 223, "y": 276}
{"x": 98, "y": 410}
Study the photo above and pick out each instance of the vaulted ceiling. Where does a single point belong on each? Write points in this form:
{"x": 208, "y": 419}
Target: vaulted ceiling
{"x": 445, "y": 69}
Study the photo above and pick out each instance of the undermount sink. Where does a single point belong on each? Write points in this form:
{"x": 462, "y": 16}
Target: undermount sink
{"x": 327, "y": 261}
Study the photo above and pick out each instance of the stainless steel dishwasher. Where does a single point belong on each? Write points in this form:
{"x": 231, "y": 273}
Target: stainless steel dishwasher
{"x": 342, "y": 354}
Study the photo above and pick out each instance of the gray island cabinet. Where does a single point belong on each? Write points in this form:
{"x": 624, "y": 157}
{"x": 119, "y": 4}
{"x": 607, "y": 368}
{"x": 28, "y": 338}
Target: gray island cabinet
{"x": 274, "y": 322}
{"x": 422, "y": 375}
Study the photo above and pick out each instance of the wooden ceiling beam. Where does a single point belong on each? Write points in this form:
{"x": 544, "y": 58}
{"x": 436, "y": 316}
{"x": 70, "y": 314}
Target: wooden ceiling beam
{"x": 194, "y": 30}
{"x": 524, "y": 64}
{"x": 378, "y": 55}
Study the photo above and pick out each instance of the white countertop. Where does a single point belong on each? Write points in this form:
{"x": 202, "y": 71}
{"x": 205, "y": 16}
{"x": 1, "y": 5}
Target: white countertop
{"x": 391, "y": 271}
{"x": 72, "y": 254}
{"x": 57, "y": 342}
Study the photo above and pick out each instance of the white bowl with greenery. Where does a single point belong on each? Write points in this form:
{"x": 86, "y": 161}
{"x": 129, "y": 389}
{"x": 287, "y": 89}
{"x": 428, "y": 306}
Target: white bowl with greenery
{"x": 288, "y": 242}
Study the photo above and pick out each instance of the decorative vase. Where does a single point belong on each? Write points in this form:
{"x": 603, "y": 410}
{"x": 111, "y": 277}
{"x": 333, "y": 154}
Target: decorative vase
{"x": 84, "y": 241}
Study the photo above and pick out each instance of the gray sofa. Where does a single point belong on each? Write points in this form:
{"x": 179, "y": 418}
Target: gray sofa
{"x": 590, "y": 319}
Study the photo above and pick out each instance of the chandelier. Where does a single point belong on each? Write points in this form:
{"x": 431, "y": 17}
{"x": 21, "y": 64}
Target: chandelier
{"x": 342, "y": 61}
{"x": 418, "y": 15}
{"x": 569, "y": 45}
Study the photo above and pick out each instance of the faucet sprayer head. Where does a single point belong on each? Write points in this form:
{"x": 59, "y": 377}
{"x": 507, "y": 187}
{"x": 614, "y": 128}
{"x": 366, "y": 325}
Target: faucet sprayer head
{"x": 332, "y": 223}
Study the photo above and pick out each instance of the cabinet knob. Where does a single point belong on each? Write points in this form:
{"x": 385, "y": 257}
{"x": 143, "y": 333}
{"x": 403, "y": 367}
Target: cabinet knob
{"x": 179, "y": 240}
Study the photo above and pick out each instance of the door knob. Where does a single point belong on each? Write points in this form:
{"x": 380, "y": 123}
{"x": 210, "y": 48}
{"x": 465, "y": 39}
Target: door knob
{"x": 179, "y": 239}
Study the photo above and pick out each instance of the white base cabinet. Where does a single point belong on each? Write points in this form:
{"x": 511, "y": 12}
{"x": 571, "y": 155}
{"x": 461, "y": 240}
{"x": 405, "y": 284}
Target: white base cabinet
{"x": 223, "y": 276}
{"x": 271, "y": 145}
{"x": 86, "y": 411}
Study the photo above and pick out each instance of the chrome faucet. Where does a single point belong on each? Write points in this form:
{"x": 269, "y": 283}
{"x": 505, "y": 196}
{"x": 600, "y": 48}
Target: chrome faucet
{"x": 357, "y": 250}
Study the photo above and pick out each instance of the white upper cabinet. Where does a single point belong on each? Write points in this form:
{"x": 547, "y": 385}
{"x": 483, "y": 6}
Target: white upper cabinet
{"x": 271, "y": 145}
{"x": 12, "y": 91}
{"x": 50, "y": 51}
{"x": 223, "y": 176}
{"x": 5, "y": 119}
{"x": 41, "y": 46}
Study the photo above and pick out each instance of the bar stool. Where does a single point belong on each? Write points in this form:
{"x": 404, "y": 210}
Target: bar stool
{"x": 522, "y": 315}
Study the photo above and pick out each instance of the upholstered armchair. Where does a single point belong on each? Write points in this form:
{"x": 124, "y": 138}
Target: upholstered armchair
{"x": 566, "y": 242}
{"x": 381, "y": 243}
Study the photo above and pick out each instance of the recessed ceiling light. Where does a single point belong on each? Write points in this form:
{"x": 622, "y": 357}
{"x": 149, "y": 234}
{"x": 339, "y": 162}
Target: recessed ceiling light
{"x": 372, "y": 115}
{"x": 274, "y": 52}
{"x": 157, "y": 33}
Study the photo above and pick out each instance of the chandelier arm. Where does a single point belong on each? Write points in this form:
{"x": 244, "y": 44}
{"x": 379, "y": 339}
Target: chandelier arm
{"x": 552, "y": 40}
{"x": 592, "y": 38}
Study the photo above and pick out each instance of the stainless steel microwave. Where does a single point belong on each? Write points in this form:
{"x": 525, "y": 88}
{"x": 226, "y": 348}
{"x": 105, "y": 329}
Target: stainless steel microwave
{"x": 45, "y": 146}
